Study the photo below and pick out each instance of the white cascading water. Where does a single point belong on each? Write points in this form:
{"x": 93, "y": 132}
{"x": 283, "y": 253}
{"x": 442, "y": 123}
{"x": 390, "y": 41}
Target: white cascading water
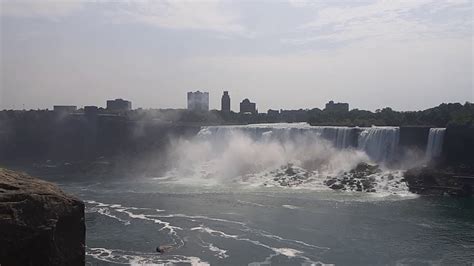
{"x": 380, "y": 143}
{"x": 277, "y": 154}
{"x": 435, "y": 143}
{"x": 340, "y": 137}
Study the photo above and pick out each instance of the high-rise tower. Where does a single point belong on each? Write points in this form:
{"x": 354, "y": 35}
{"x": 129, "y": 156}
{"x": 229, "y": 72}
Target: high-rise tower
{"x": 198, "y": 101}
{"x": 225, "y": 102}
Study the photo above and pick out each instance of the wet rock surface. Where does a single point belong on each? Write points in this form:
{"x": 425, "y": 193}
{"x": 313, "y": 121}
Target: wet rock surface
{"x": 439, "y": 181}
{"x": 290, "y": 175}
{"x": 358, "y": 179}
{"x": 39, "y": 224}
{"x": 364, "y": 177}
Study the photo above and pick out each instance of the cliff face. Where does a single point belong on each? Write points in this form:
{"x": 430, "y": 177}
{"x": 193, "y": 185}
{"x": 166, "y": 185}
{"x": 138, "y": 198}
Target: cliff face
{"x": 432, "y": 181}
{"x": 458, "y": 146}
{"x": 47, "y": 137}
{"x": 414, "y": 137}
{"x": 39, "y": 224}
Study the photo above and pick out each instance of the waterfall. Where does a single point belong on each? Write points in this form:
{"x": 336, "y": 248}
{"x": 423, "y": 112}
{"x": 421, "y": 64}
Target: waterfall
{"x": 340, "y": 137}
{"x": 289, "y": 155}
{"x": 435, "y": 143}
{"x": 380, "y": 143}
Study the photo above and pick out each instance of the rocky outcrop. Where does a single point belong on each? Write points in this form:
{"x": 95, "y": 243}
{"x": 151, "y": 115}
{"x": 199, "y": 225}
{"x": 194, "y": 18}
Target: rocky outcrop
{"x": 290, "y": 175}
{"x": 434, "y": 181}
{"x": 358, "y": 179}
{"x": 39, "y": 224}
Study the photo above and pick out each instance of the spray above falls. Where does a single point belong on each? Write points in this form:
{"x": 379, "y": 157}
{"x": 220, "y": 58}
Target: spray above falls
{"x": 242, "y": 150}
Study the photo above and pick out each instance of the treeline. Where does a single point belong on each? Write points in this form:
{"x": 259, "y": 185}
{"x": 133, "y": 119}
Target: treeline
{"x": 452, "y": 114}
{"x": 444, "y": 115}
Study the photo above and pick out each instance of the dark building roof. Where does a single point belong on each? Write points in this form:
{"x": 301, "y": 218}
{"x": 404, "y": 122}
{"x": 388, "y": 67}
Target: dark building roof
{"x": 248, "y": 107}
{"x": 119, "y": 105}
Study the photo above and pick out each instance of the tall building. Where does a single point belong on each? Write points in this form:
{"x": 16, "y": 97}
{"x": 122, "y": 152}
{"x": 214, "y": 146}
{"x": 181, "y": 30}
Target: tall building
{"x": 198, "y": 101}
{"x": 337, "y": 107}
{"x": 118, "y": 105}
{"x": 248, "y": 107}
{"x": 225, "y": 102}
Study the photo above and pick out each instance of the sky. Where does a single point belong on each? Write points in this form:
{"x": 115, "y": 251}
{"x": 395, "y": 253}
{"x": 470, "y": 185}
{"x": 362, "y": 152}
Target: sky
{"x": 408, "y": 55}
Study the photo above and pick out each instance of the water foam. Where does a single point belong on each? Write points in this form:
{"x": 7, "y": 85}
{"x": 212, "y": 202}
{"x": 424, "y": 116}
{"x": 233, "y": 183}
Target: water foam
{"x": 291, "y": 207}
{"x": 220, "y": 253}
{"x": 118, "y": 256}
{"x": 285, "y": 247}
{"x": 107, "y": 209}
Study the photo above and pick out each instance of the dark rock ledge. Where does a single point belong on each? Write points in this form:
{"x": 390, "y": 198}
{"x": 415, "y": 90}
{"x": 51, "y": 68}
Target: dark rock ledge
{"x": 440, "y": 181}
{"x": 39, "y": 224}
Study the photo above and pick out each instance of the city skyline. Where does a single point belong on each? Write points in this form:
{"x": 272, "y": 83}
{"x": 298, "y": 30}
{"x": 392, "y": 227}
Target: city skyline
{"x": 125, "y": 104}
{"x": 408, "y": 55}
{"x": 196, "y": 101}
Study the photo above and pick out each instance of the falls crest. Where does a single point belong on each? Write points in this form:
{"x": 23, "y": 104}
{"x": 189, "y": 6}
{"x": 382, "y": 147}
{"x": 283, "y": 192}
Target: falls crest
{"x": 339, "y": 137}
{"x": 380, "y": 143}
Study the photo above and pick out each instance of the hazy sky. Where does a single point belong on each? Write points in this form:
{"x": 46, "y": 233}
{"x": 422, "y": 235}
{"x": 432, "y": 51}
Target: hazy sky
{"x": 409, "y": 55}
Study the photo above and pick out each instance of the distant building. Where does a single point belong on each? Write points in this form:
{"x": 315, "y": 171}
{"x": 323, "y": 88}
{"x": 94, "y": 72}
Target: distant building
{"x": 64, "y": 109}
{"x": 225, "y": 102}
{"x": 118, "y": 105}
{"x": 300, "y": 115}
{"x": 198, "y": 101}
{"x": 91, "y": 110}
{"x": 337, "y": 107}
{"x": 248, "y": 107}
{"x": 271, "y": 112}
